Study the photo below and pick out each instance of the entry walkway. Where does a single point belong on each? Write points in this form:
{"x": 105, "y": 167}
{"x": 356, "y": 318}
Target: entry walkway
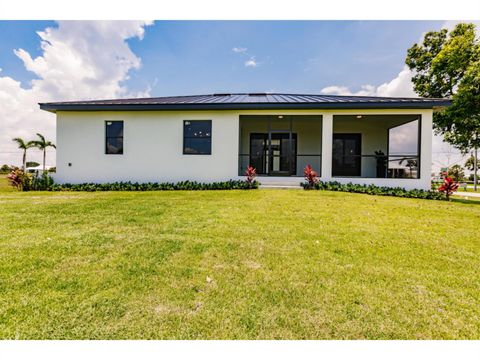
{"x": 467, "y": 194}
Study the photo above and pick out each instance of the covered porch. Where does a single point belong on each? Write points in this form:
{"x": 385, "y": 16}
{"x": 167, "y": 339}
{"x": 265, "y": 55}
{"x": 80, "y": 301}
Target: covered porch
{"x": 280, "y": 145}
{"x": 382, "y": 149}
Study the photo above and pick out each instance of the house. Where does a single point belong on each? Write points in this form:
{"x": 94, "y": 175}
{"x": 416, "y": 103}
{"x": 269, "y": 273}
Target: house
{"x": 366, "y": 140}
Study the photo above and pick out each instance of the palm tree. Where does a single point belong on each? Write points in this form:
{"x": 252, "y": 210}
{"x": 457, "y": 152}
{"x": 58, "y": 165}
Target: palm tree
{"x": 22, "y": 144}
{"x": 43, "y": 144}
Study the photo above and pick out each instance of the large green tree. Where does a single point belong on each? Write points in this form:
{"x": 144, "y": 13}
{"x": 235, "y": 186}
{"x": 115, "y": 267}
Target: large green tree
{"x": 447, "y": 64}
{"x": 470, "y": 163}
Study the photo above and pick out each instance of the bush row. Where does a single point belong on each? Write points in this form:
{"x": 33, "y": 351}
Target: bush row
{"x": 129, "y": 186}
{"x": 377, "y": 190}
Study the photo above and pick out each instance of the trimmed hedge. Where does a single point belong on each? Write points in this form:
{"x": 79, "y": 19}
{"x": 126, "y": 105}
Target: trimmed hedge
{"x": 129, "y": 186}
{"x": 377, "y": 190}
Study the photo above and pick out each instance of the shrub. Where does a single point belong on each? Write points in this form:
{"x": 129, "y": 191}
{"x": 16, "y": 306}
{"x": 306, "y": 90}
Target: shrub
{"x": 129, "y": 186}
{"x": 377, "y": 190}
{"x": 20, "y": 180}
{"x": 250, "y": 173}
{"x": 448, "y": 187}
{"x": 42, "y": 182}
{"x": 311, "y": 177}
{"x": 27, "y": 182}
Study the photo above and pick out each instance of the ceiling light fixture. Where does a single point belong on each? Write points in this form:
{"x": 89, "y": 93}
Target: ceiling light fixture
{"x": 359, "y": 116}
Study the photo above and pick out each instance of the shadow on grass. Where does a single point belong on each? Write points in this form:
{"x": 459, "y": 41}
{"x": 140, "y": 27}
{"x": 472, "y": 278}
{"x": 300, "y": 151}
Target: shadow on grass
{"x": 462, "y": 200}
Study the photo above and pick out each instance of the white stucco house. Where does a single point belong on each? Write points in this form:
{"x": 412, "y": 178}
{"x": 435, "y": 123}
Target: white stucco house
{"x": 206, "y": 138}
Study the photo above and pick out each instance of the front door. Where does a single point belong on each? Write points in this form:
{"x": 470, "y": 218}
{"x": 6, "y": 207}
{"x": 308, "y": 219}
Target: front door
{"x": 273, "y": 153}
{"x": 258, "y": 152}
{"x": 347, "y": 153}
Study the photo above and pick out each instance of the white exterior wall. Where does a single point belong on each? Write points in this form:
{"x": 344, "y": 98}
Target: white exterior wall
{"x": 153, "y": 147}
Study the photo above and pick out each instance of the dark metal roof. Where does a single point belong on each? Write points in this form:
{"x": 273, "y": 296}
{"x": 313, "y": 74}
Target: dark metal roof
{"x": 246, "y": 101}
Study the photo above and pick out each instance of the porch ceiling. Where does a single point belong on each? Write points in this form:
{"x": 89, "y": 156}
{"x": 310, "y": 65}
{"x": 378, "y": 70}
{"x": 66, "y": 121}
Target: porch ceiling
{"x": 381, "y": 120}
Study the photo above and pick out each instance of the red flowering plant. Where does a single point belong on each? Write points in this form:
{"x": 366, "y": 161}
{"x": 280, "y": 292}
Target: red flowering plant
{"x": 251, "y": 173}
{"x": 448, "y": 187}
{"x": 19, "y": 179}
{"x": 311, "y": 177}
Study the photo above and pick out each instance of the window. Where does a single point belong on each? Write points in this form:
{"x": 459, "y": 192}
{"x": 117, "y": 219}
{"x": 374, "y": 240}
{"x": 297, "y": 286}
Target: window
{"x": 404, "y": 150}
{"x": 114, "y": 137}
{"x": 197, "y": 137}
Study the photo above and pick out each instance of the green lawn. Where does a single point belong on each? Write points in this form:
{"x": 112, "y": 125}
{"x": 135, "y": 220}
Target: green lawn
{"x": 4, "y": 185}
{"x": 283, "y": 264}
{"x": 469, "y": 189}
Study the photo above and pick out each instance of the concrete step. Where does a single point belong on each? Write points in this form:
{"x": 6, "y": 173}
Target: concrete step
{"x": 270, "y": 186}
{"x": 267, "y": 182}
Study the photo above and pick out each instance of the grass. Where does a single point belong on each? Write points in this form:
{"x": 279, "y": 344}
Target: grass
{"x": 469, "y": 189}
{"x": 263, "y": 264}
{"x": 465, "y": 199}
{"x": 4, "y": 185}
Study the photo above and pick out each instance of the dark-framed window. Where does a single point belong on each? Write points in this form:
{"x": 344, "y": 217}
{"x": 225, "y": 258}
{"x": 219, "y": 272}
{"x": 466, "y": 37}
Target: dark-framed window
{"x": 114, "y": 137}
{"x": 197, "y": 137}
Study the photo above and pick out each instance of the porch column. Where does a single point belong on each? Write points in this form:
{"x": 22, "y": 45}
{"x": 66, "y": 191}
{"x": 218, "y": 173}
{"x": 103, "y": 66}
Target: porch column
{"x": 425, "y": 147}
{"x": 327, "y": 141}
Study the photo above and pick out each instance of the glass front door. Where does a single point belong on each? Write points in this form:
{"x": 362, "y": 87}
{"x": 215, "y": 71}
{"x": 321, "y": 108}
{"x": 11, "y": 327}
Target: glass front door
{"x": 273, "y": 153}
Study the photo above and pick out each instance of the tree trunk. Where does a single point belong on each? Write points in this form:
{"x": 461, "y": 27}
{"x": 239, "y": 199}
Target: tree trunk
{"x": 475, "y": 169}
{"x": 44, "y": 156}
{"x": 24, "y": 160}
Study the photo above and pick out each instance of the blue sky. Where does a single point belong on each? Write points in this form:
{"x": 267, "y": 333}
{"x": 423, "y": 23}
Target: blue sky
{"x": 189, "y": 57}
{"x": 197, "y": 57}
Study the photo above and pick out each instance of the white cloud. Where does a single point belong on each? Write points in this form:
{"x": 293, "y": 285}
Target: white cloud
{"x": 251, "y": 62}
{"x": 401, "y": 85}
{"x": 79, "y": 60}
{"x": 365, "y": 90}
{"x": 239, "y": 50}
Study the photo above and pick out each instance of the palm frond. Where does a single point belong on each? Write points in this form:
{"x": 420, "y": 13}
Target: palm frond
{"x": 42, "y": 143}
{"x": 38, "y": 144}
{"x": 42, "y": 138}
{"x": 22, "y": 144}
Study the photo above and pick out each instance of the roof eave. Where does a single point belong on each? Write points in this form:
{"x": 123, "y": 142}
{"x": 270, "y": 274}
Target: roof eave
{"x": 53, "y": 107}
